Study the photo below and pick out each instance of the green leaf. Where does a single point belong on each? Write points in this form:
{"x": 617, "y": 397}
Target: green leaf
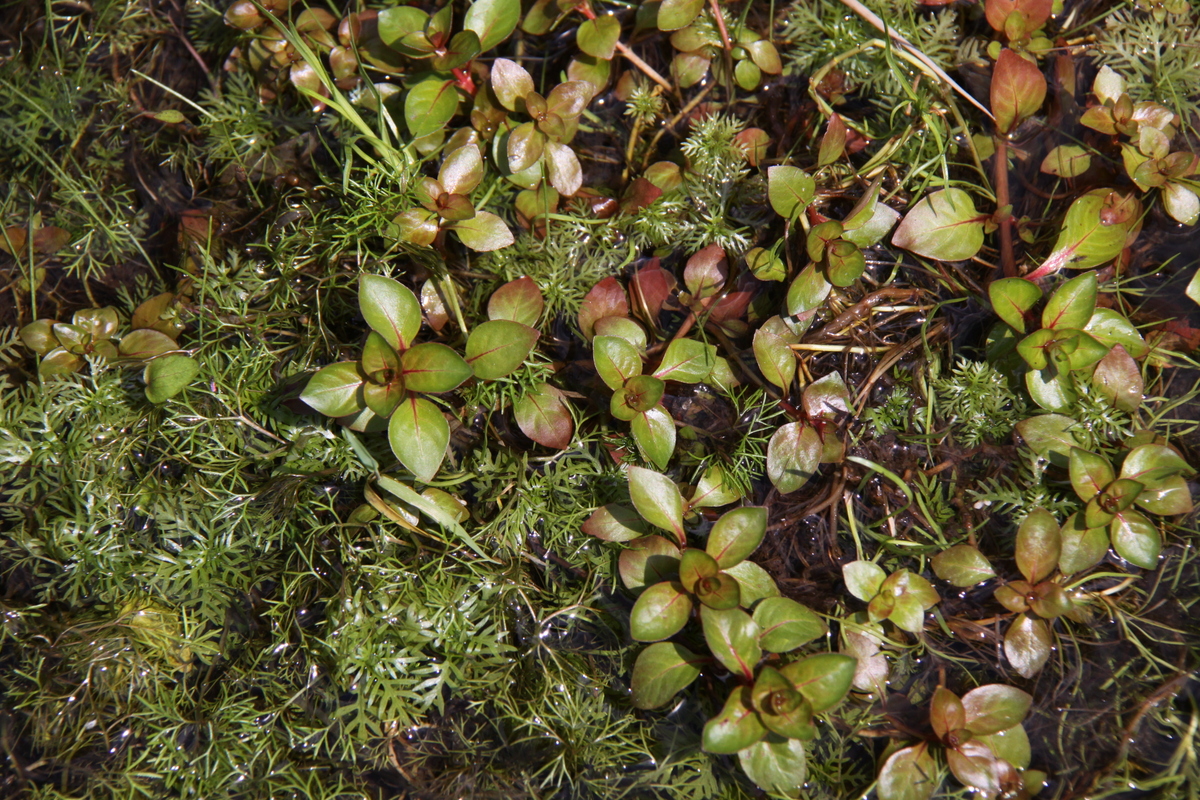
{"x": 483, "y": 232}
{"x": 944, "y": 225}
{"x": 1111, "y": 328}
{"x": 391, "y": 309}
{"x": 736, "y": 535}
{"x": 1090, "y": 473}
{"x": 615, "y": 523}
{"x": 661, "y": 671}
{"x": 720, "y": 592}
{"x": 827, "y": 398}
{"x": 659, "y": 612}
{"x": 1051, "y": 436}
{"x": 1152, "y": 464}
{"x": 657, "y": 499}
{"x": 419, "y": 435}
{"x": 1067, "y": 161}
{"x": 946, "y": 712}
{"x": 789, "y": 190}
{"x": 1038, "y": 545}
{"x": 775, "y": 359}
{"x": 430, "y": 104}
{"x": 648, "y": 560}
{"x": 492, "y": 20}
{"x": 676, "y": 14}
{"x": 542, "y": 415}
{"x": 786, "y": 625}
{"x": 863, "y": 578}
{"x": 1012, "y": 299}
{"x": 1072, "y": 305}
{"x": 1082, "y": 547}
{"x": 598, "y": 37}
{"x": 654, "y": 432}
{"x": 145, "y": 343}
{"x": 383, "y": 398}
{"x": 793, "y": 455}
{"x": 844, "y": 263}
{"x": 1050, "y": 600}
{"x": 694, "y": 566}
{"x": 462, "y": 170}
{"x": 499, "y": 347}
{"x": 824, "y": 679}
{"x": 520, "y": 301}
{"x": 1169, "y": 497}
{"x": 168, "y": 376}
{"x": 995, "y": 707}
{"x": 776, "y": 765}
{"x": 973, "y": 764}
{"x": 780, "y": 707}
{"x": 686, "y": 361}
{"x": 1027, "y": 645}
{"x": 1010, "y": 745}
{"x": 1136, "y": 539}
{"x": 962, "y": 566}
{"x": 808, "y": 291}
{"x": 714, "y": 489}
{"x": 402, "y": 28}
{"x": 755, "y": 582}
{"x": 336, "y": 390}
{"x": 622, "y": 328}
{"x": 616, "y": 360}
{"x": 463, "y": 47}
{"x": 908, "y": 774}
{"x": 1092, "y": 233}
{"x": 736, "y": 727}
{"x": 432, "y": 367}
{"x": 732, "y": 637}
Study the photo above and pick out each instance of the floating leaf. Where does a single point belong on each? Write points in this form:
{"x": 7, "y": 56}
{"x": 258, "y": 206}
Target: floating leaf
{"x": 1082, "y": 547}
{"x": 943, "y": 225}
{"x": 510, "y": 81}
{"x": 1051, "y": 436}
{"x": 714, "y": 489}
{"x": 430, "y": 104}
{"x": 606, "y": 299}
{"x": 661, "y": 671}
{"x": 1067, "y": 161}
{"x": 755, "y": 582}
{"x": 1038, "y": 545}
{"x": 676, "y": 14}
{"x": 146, "y": 343}
{"x": 598, "y": 37}
{"x": 1072, "y": 304}
{"x": 419, "y": 435}
{"x": 483, "y": 232}
{"x": 1136, "y": 539}
{"x": 863, "y": 578}
{"x": 615, "y": 523}
{"x": 616, "y": 360}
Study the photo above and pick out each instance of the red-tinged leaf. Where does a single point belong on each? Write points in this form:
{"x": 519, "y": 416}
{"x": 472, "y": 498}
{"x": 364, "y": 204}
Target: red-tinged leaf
{"x": 908, "y": 774}
{"x": 1018, "y": 90}
{"x": 649, "y": 289}
{"x": 654, "y": 432}
{"x": 462, "y": 170}
{"x": 563, "y": 169}
{"x": 1038, "y": 545}
{"x": 616, "y": 360}
{"x": 49, "y": 240}
{"x": 430, "y": 105}
{"x": 1027, "y": 645}
{"x": 754, "y": 142}
{"x": 943, "y": 225}
{"x": 833, "y": 143}
{"x": 826, "y": 398}
{"x": 1012, "y": 299}
{"x": 510, "y": 81}
{"x": 657, "y": 499}
{"x": 606, "y": 299}
{"x": 147, "y": 343}
{"x": 706, "y": 271}
{"x": 823, "y": 679}
{"x": 736, "y": 535}
{"x": 1034, "y": 13}
{"x": 736, "y": 728}
{"x": 732, "y": 637}
{"x": 525, "y": 147}
{"x": 786, "y": 624}
{"x": 417, "y": 226}
{"x": 639, "y": 194}
{"x": 542, "y": 415}
{"x": 946, "y": 712}
{"x": 975, "y": 766}
{"x": 793, "y": 455}
{"x": 962, "y": 566}
{"x": 775, "y": 359}
{"x": 659, "y": 612}
{"x": 520, "y": 301}
{"x": 994, "y": 708}
{"x": 1072, "y": 304}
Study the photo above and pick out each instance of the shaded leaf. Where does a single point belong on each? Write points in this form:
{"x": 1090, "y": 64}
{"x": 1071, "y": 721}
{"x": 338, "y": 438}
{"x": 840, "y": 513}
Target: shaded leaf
{"x": 776, "y": 765}
{"x": 648, "y": 560}
{"x": 908, "y": 774}
{"x": 793, "y": 455}
{"x": 661, "y": 671}
{"x": 542, "y": 415}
